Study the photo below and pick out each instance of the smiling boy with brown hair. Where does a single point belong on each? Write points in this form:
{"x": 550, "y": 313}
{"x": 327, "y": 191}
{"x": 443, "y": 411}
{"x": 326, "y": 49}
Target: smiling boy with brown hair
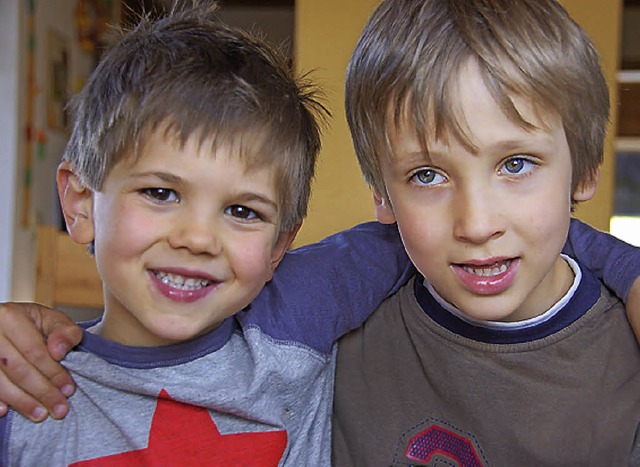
{"x": 188, "y": 172}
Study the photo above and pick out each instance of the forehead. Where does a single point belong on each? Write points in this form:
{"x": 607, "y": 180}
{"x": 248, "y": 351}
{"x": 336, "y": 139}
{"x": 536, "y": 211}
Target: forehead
{"x": 241, "y": 158}
{"x": 483, "y": 117}
{"x": 472, "y": 116}
{"x": 249, "y": 148}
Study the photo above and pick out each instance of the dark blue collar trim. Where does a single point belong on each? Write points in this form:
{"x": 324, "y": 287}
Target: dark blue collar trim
{"x": 155, "y": 357}
{"x": 584, "y": 298}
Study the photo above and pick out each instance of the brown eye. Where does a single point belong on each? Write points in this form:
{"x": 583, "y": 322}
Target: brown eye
{"x": 241, "y": 212}
{"x": 164, "y": 195}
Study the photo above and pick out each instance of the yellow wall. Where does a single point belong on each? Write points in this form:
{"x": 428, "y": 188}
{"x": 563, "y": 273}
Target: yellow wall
{"x": 326, "y": 32}
{"x": 325, "y": 35}
{"x": 603, "y": 22}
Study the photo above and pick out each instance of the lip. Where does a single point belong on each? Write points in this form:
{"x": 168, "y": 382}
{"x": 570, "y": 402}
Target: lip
{"x": 182, "y": 295}
{"x": 491, "y": 277}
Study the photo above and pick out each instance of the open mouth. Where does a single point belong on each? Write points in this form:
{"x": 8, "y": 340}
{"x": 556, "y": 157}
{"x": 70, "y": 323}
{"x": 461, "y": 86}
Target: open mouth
{"x": 490, "y": 270}
{"x": 179, "y": 282}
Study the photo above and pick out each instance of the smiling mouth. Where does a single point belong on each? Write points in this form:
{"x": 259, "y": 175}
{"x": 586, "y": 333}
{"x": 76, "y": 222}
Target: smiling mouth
{"x": 179, "y": 282}
{"x": 491, "y": 270}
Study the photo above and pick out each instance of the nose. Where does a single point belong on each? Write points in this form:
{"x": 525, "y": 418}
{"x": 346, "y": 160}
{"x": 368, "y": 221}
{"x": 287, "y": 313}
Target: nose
{"x": 478, "y": 215}
{"x": 196, "y": 232}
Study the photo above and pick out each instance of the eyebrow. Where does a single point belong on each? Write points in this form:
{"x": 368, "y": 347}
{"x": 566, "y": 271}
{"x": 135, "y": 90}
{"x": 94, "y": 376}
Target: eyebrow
{"x": 412, "y": 156}
{"x": 519, "y": 144}
{"x": 537, "y": 140}
{"x": 252, "y": 196}
{"x": 164, "y": 176}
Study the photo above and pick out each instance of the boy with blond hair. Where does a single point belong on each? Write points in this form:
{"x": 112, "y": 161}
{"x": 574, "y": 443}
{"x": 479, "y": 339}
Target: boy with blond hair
{"x": 480, "y": 124}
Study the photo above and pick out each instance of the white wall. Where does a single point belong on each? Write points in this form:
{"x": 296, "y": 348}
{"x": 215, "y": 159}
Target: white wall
{"x": 9, "y": 137}
{"x": 17, "y": 238}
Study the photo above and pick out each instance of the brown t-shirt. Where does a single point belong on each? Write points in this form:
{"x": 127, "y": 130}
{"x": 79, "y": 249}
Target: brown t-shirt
{"x": 409, "y": 391}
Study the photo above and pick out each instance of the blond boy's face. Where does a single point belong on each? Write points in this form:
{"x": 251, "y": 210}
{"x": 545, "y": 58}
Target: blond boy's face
{"x": 183, "y": 239}
{"x": 486, "y": 227}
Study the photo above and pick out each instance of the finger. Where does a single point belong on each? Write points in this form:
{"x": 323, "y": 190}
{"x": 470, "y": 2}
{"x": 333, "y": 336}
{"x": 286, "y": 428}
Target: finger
{"x": 31, "y": 377}
{"x": 62, "y": 337}
{"x": 633, "y": 307}
{"x": 20, "y": 401}
{"x": 27, "y": 390}
{"x": 60, "y": 332}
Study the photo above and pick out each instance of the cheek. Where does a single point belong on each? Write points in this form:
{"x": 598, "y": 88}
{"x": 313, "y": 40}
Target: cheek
{"x": 123, "y": 230}
{"x": 424, "y": 241}
{"x": 251, "y": 258}
{"x": 545, "y": 220}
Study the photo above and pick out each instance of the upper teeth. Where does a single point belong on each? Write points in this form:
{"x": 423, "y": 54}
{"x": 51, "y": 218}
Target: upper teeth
{"x": 180, "y": 282}
{"x": 493, "y": 271}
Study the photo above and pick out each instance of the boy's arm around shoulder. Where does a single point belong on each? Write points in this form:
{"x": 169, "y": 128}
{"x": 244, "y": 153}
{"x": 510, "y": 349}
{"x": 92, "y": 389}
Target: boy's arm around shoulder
{"x": 321, "y": 291}
{"x": 615, "y": 262}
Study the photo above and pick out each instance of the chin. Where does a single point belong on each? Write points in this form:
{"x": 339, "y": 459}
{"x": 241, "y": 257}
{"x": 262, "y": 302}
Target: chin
{"x": 488, "y": 312}
{"x": 170, "y": 333}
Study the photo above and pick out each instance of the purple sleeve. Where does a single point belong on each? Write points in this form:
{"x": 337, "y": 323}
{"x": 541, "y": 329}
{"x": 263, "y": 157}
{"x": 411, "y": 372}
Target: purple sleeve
{"x": 615, "y": 262}
{"x": 321, "y": 291}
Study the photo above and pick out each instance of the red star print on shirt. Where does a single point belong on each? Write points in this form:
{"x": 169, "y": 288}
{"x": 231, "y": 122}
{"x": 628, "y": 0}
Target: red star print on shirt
{"x": 183, "y": 434}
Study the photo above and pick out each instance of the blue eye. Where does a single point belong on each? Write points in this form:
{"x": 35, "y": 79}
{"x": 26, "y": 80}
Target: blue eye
{"x": 241, "y": 212}
{"x": 427, "y": 177}
{"x": 164, "y": 195}
{"x": 517, "y": 165}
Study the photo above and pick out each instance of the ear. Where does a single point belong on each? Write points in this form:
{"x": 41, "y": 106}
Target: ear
{"x": 587, "y": 188}
{"x": 77, "y": 204}
{"x": 384, "y": 211}
{"x": 282, "y": 245}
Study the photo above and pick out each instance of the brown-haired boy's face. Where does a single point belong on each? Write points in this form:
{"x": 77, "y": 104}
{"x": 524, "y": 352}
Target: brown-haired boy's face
{"x": 183, "y": 238}
{"x": 486, "y": 227}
